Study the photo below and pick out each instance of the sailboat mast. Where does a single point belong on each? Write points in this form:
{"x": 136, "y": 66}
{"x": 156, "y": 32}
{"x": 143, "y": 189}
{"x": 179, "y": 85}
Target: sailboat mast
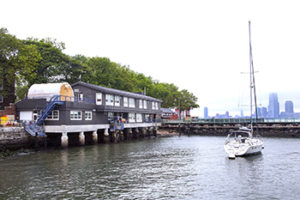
{"x": 252, "y": 83}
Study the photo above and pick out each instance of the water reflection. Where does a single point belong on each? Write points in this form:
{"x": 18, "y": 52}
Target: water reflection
{"x": 166, "y": 168}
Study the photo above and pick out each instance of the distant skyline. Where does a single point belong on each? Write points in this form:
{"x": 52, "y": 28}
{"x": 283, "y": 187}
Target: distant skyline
{"x": 201, "y": 46}
{"x": 287, "y": 104}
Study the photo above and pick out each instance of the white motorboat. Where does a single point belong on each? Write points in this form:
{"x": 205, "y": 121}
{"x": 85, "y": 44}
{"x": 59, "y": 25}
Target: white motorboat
{"x": 242, "y": 142}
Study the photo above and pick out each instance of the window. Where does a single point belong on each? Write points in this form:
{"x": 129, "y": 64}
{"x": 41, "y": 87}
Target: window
{"x": 117, "y": 101}
{"x": 109, "y": 100}
{"x": 80, "y": 97}
{"x": 145, "y": 104}
{"x": 88, "y": 115}
{"x": 54, "y": 115}
{"x": 1, "y": 98}
{"x": 35, "y": 115}
{"x": 147, "y": 118}
{"x": 98, "y": 98}
{"x": 75, "y": 115}
{"x": 139, "y": 117}
{"x": 131, "y": 117}
{"x": 141, "y": 103}
{"x": 110, "y": 116}
{"x": 154, "y": 106}
{"x": 131, "y": 103}
{"x": 125, "y": 101}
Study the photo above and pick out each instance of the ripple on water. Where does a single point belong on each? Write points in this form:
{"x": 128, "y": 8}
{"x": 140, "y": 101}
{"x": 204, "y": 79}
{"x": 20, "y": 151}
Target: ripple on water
{"x": 166, "y": 168}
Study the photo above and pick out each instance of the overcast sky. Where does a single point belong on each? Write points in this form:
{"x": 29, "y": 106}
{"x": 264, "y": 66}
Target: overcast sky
{"x": 198, "y": 45}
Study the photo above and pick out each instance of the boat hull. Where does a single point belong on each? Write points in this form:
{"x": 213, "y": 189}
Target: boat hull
{"x": 236, "y": 149}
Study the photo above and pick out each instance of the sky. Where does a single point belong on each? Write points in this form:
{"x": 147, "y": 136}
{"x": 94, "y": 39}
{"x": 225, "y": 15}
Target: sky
{"x": 199, "y": 45}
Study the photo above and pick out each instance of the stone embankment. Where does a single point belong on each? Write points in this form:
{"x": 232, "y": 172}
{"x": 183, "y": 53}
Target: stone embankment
{"x": 265, "y": 131}
{"x": 13, "y": 137}
{"x": 167, "y": 133}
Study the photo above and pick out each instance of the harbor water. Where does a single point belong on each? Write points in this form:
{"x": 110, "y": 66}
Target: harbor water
{"x": 162, "y": 168}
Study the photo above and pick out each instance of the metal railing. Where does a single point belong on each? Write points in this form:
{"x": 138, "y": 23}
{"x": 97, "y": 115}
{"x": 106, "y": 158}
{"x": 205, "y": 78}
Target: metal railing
{"x": 230, "y": 121}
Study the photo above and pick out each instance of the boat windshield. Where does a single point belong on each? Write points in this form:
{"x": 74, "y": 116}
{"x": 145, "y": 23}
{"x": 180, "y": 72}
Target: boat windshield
{"x": 240, "y": 134}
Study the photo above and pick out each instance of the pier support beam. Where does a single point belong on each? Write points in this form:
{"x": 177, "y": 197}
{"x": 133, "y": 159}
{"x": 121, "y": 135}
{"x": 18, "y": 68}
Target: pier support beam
{"x": 64, "y": 139}
{"x": 106, "y": 136}
{"x": 135, "y": 133}
{"x": 155, "y": 131}
{"x": 148, "y": 132}
{"x": 144, "y": 132}
{"x": 121, "y": 137}
{"x": 81, "y": 138}
{"x": 95, "y": 137}
{"x": 125, "y": 134}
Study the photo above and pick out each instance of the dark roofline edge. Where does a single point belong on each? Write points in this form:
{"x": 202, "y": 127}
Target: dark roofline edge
{"x": 116, "y": 91}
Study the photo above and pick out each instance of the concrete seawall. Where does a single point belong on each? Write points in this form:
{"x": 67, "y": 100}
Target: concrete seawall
{"x": 14, "y": 138}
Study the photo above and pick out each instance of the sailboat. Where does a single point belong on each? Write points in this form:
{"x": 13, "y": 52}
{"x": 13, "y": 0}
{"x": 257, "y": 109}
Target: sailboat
{"x": 244, "y": 142}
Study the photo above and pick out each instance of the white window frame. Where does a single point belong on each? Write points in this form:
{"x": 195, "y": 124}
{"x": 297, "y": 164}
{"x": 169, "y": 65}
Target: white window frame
{"x": 75, "y": 115}
{"x": 139, "y": 117}
{"x": 117, "y": 100}
{"x": 131, "y": 117}
{"x": 110, "y": 115}
{"x": 145, "y": 104}
{"x": 154, "y": 105}
{"x": 52, "y": 116}
{"x": 125, "y": 101}
{"x": 140, "y": 103}
{"x": 147, "y": 117}
{"x": 1, "y": 98}
{"x": 131, "y": 103}
{"x": 109, "y": 100}
{"x": 99, "y": 98}
{"x": 88, "y": 115}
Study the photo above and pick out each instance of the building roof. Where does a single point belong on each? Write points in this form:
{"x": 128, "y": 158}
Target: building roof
{"x": 48, "y": 90}
{"x": 115, "y": 91}
{"x": 166, "y": 110}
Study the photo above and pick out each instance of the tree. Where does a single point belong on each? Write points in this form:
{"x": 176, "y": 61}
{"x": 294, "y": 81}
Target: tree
{"x": 41, "y": 61}
{"x": 17, "y": 59}
{"x": 187, "y": 100}
{"x": 53, "y": 61}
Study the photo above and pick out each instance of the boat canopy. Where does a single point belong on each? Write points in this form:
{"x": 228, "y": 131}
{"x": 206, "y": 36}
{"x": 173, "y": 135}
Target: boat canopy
{"x": 48, "y": 90}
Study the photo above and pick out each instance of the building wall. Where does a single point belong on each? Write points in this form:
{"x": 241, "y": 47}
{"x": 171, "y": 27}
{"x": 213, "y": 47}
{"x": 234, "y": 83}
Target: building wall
{"x": 91, "y": 94}
{"x": 99, "y": 112}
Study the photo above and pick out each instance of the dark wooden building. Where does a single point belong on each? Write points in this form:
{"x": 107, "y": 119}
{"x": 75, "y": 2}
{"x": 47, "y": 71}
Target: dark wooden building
{"x": 89, "y": 108}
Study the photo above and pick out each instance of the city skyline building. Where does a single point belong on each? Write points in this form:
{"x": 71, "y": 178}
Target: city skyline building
{"x": 289, "y": 107}
{"x": 272, "y": 111}
{"x": 273, "y": 108}
{"x": 264, "y": 112}
{"x": 205, "y": 112}
{"x": 259, "y": 112}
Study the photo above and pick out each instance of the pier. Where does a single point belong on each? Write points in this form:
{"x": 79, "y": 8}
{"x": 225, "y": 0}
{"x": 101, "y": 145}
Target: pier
{"x": 266, "y": 127}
